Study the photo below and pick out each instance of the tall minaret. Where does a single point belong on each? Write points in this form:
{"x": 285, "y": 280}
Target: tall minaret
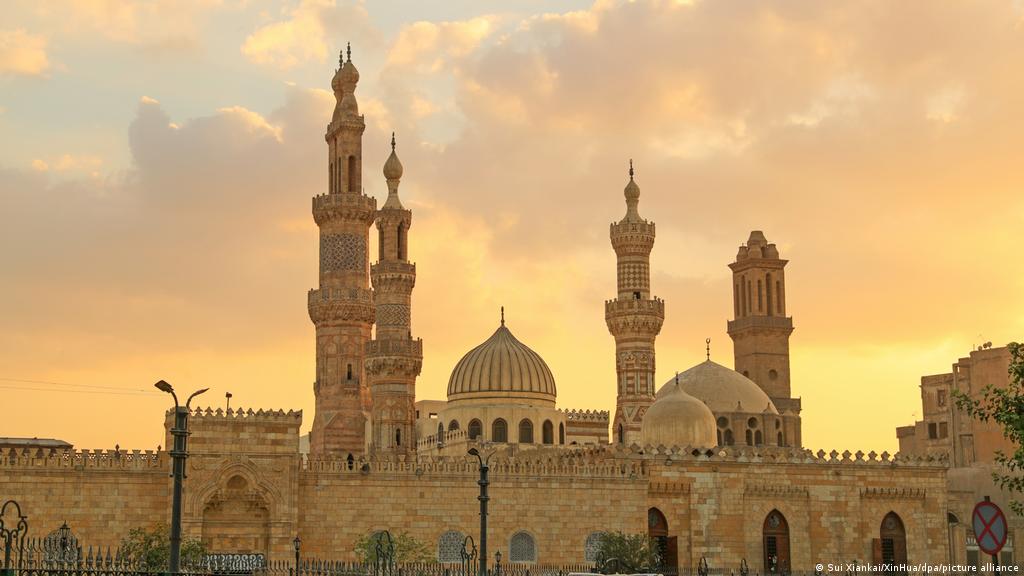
{"x": 634, "y": 318}
{"x": 342, "y": 307}
{"x": 760, "y": 328}
{"x": 393, "y": 358}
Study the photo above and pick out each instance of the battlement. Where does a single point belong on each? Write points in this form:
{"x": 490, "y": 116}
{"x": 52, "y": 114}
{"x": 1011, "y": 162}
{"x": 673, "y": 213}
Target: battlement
{"x": 632, "y": 306}
{"x": 397, "y": 267}
{"x": 250, "y": 415}
{"x": 769, "y": 455}
{"x": 79, "y": 459}
{"x": 598, "y": 416}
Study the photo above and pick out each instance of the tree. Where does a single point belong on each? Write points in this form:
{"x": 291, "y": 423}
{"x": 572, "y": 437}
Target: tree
{"x": 150, "y": 549}
{"x": 626, "y": 553}
{"x": 407, "y": 548}
{"x": 1005, "y": 406}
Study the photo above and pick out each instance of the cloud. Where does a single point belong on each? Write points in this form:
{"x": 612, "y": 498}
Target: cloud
{"x": 305, "y": 34}
{"x": 156, "y": 26}
{"x": 22, "y": 53}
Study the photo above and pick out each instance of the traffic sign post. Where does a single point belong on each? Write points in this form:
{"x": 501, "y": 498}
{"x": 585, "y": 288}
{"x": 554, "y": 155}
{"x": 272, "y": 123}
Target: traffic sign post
{"x": 990, "y": 528}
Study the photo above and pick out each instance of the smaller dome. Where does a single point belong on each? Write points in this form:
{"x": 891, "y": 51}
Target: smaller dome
{"x": 349, "y": 74}
{"x": 393, "y": 166}
{"x": 678, "y": 419}
{"x": 722, "y": 389}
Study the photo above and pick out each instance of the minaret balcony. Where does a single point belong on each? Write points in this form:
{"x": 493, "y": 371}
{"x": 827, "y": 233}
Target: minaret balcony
{"x": 781, "y": 323}
{"x": 408, "y": 348}
{"x": 340, "y": 305}
{"x": 387, "y": 267}
{"x": 344, "y": 206}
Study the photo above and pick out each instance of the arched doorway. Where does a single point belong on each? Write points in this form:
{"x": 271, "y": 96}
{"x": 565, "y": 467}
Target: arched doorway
{"x": 657, "y": 529}
{"x": 236, "y": 519}
{"x": 891, "y": 545}
{"x": 776, "y": 543}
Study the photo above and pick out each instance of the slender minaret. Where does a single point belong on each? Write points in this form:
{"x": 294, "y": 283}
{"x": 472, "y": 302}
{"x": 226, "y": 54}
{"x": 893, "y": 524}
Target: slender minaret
{"x": 760, "y": 328}
{"x": 634, "y": 318}
{"x": 342, "y": 307}
{"x": 393, "y": 358}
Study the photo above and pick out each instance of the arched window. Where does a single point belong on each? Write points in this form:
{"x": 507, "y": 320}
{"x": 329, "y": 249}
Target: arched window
{"x": 525, "y": 431}
{"x": 349, "y": 372}
{"x": 775, "y": 535}
{"x": 892, "y": 541}
{"x": 736, "y": 300}
{"x": 401, "y": 241}
{"x": 768, "y": 293}
{"x": 548, "y": 432}
{"x": 352, "y": 174}
{"x": 561, "y": 433}
{"x": 760, "y": 296}
{"x": 440, "y": 431}
{"x": 719, "y": 431}
{"x": 758, "y": 439}
{"x": 449, "y": 547}
{"x": 398, "y": 436}
{"x": 476, "y": 429}
{"x": 750, "y": 438}
{"x": 778, "y": 296}
{"x": 453, "y": 425}
{"x": 729, "y": 440}
{"x": 781, "y": 443}
{"x": 522, "y": 548}
{"x": 622, "y": 434}
{"x": 592, "y": 546}
{"x": 499, "y": 431}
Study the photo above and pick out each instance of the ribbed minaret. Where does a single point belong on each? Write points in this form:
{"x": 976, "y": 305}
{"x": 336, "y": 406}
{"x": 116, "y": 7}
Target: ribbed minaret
{"x": 393, "y": 358}
{"x": 342, "y": 307}
{"x": 634, "y": 318}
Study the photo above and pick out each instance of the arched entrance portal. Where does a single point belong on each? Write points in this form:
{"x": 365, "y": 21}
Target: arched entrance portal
{"x": 236, "y": 520}
{"x": 657, "y": 529}
{"x": 891, "y": 545}
{"x": 776, "y": 543}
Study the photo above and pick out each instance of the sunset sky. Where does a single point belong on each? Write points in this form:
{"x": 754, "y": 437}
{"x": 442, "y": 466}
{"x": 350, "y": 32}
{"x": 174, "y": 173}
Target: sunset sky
{"x": 157, "y": 162}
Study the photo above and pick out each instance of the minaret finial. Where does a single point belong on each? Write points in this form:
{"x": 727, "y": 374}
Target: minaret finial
{"x": 630, "y": 168}
{"x": 341, "y": 58}
{"x": 392, "y": 141}
{"x": 348, "y": 50}
{"x": 707, "y": 343}
{"x": 677, "y": 378}
{"x": 502, "y": 315}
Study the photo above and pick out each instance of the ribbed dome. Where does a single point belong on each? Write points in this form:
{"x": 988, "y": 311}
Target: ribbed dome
{"x": 722, "y": 389}
{"x": 678, "y": 419}
{"x": 502, "y": 367}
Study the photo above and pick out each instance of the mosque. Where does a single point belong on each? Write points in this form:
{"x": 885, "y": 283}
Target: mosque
{"x": 710, "y": 464}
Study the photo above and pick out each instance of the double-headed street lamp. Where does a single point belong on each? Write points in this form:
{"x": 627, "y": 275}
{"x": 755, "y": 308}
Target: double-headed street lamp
{"x": 178, "y": 455}
{"x": 483, "y": 498}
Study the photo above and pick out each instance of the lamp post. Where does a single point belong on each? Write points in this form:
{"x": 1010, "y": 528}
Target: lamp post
{"x": 178, "y": 455}
{"x": 483, "y": 498}
{"x": 298, "y": 545}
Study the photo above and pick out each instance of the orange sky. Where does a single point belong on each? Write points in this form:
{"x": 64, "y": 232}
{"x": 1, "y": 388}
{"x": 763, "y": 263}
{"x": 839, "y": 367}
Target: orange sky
{"x": 156, "y": 175}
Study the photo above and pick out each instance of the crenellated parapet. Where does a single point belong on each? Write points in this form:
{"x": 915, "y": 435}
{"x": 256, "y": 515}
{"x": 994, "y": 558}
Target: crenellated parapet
{"x": 247, "y": 414}
{"x": 597, "y": 416}
{"x": 401, "y": 358}
{"x": 626, "y": 316}
{"x": 81, "y": 459}
{"x": 632, "y": 238}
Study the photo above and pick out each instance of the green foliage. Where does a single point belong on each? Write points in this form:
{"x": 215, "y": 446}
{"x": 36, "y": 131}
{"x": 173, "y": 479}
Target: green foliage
{"x": 1005, "y": 406}
{"x": 151, "y": 549}
{"x": 407, "y": 548}
{"x": 626, "y": 553}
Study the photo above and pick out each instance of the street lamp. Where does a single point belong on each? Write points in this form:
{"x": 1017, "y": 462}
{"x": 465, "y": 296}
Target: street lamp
{"x": 298, "y": 545}
{"x": 178, "y": 455}
{"x": 483, "y": 498}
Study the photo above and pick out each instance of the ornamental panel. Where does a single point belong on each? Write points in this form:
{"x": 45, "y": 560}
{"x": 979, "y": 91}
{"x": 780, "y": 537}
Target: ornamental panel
{"x": 342, "y": 252}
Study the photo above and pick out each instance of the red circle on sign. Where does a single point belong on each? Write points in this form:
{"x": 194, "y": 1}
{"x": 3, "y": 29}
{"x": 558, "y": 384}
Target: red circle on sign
{"x": 990, "y": 527}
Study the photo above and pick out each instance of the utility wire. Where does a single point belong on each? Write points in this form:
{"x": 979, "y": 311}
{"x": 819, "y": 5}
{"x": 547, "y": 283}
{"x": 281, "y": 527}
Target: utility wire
{"x": 48, "y": 386}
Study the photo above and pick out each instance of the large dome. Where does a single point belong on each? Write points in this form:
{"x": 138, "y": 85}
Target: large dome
{"x": 678, "y": 419}
{"x": 502, "y": 368}
{"x": 722, "y": 389}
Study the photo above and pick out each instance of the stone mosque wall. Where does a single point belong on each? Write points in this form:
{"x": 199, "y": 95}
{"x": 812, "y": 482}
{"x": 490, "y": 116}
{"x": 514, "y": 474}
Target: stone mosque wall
{"x": 250, "y": 490}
